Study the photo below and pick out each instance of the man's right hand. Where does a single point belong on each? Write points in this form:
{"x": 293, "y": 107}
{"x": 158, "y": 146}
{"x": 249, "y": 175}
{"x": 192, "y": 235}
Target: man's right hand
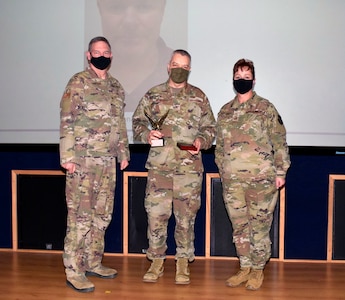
{"x": 154, "y": 135}
{"x": 70, "y": 167}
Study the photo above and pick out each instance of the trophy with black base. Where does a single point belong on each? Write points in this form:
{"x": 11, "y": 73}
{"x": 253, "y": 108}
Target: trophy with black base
{"x": 157, "y": 125}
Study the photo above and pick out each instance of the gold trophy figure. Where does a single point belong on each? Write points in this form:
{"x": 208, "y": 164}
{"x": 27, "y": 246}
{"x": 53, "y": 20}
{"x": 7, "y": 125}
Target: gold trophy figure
{"x": 157, "y": 125}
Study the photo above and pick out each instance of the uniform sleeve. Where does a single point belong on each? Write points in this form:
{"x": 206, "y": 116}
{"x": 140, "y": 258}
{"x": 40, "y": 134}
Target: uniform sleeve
{"x": 277, "y": 133}
{"x": 207, "y": 127}
{"x": 122, "y": 147}
{"x": 140, "y": 122}
{"x": 68, "y": 110}
{"x": 219, "y": 150}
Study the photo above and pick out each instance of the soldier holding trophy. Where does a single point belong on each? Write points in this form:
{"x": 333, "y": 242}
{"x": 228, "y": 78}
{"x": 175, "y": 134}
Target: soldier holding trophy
{"x": 176, "y": 119}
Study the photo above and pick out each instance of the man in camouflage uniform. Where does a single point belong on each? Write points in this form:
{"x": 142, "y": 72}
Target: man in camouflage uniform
{"x": 252, "y": 157}
{"x": 174, "y": 175}
{"x": 92, "y": 134}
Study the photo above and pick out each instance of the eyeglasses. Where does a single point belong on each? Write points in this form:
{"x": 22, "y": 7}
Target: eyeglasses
{"x": 96, "y": 53}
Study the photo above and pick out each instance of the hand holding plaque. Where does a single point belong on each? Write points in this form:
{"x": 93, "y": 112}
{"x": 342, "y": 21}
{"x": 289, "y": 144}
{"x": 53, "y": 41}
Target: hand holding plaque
{"x": 184, "y": 146}
{"x": 157, "y": 125}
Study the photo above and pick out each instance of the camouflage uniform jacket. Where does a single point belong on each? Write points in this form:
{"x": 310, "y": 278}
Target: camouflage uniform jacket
{"x": 92, "y": 118}
{"x": 251, "y": 140}
{"x": 190, "y": 116}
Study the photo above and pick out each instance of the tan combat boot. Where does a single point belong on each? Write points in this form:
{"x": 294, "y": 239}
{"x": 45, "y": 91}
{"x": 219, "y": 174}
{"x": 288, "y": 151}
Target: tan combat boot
{"x": 102, "y": 272}
{"x": 155, "y": 271}
{"x": 256, "y": 277}
{"x": 241, "y": 276}
{"x": 182, "y": 271}
{"x": 80, "y": 283}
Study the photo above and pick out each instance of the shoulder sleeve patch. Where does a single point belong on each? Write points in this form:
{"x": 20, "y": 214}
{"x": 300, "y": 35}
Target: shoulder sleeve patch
{"x": 280, "y": 120}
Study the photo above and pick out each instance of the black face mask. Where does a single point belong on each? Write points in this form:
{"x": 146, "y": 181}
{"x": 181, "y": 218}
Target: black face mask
{"x": 243, "y": 86}
{"x": 101, "y": 62}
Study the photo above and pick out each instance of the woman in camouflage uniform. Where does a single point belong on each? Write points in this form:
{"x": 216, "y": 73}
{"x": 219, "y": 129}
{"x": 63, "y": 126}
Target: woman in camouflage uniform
{"x": 252, "y": 158}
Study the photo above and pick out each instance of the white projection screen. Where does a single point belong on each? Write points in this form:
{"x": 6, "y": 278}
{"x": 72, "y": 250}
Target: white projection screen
{"x": 297, "y": 46}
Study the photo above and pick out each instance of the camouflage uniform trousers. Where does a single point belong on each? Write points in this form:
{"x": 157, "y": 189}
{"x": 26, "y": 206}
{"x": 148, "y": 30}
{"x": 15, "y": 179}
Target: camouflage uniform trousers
{"x": 167, "y": 192}
{"x": 250, "y": 205}
{"x": 90, "y": 202}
